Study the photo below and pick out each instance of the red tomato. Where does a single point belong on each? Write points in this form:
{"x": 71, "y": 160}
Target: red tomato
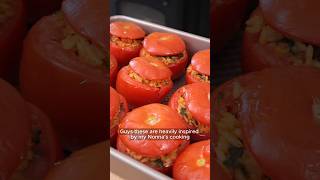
{"x": 279, "y": 119}
{"x": 48, "y": 151}
{"x": 126, "y": 30}
{"x": 88, "y": 18}
{"x": 193, "y": 162}
{"x": 39, "y": 8}
{"x": 197, "y": 104}
{"x": 89, "y": 163}
{"x": 257, "y": 56}
{"x": 152, "y": 116}
{"x": 113, "y": 69}
{"x": 15, "y": 128}
{"x": 71, "y": 92}
{"x": 200, "y": 62}
{"x": 12, "y": 31}
{"x": 18, "y": 120}
{"x": 140, "y": 93}
{"x": 293, "y": 18}
{"x": 226, "y": 19}
{"x": 118, "y": 109}
{"x": 166, "y": 45}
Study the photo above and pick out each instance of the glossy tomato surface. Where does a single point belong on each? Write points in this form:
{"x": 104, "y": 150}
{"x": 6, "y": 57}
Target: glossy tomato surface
{"x": 257, "y": 56}
{"x": 88, "y": 163}
{"x": 72, "y": 93}
{"x": 200, "y": 62}
{"x": 278, "y": 118}
{"x": 293, "y": 18}
{"x": 46, "y": 149}
{"x": 166, "y": 44}
{"x": 113, "y": 70}
{"x": 226, "y": 19}
{"x": 15, "y": 129}
{"x": 152, "y": 116}
{"x": 197, "y": 102}
{"x": 118, "y": 108}
{"x": 12, "y": 31}
{"x": 126, "y": 30}
{"x": 193, "y": 162}
{"x": 88, "y": 18}
{"x": 138, "y": 93}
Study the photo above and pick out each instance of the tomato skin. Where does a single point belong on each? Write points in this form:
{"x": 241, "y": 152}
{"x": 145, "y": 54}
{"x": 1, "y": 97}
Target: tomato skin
{"x": 124, "y": 55}
{"x": 71, "y": 93}
{"x": 88, "y": 163}
{"x": 186, "y": 167}
{"x": 200, "y": 62}
{"x": 139, "y": 94}
{"x": 256, "y": 56}
{"x": 48, "y": 151}
{"x": 178, "y": 68}
{"x": 12, "y": 34}
{"x": 226, "y": 19}
{"x": 198, "y": 104}
{"x": 284, "y": 127}
{"x": 128, "y": 30}
{"x": 15, "y": 128}
{"x": 113, "y": 70}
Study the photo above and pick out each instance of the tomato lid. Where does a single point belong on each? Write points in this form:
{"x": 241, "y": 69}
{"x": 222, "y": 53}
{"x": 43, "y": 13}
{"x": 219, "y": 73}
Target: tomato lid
{"x": 197, "y": 98}
{"x": 88, "y": 18}
{"x": 150, "y": 68}
{"x": 114, "y": 103}
{"x": 126, "y": 30}
{"x": 201, "y": 62}
{"x": 193, "y": 162}
{"x": 152, "y": 116}
{"x": 279, "y": 112}
{"x": 15, "y": 129}
{"x": 294, "y": 18}
{"x": 88, "y": 163}
{"x": 163, "y": 44}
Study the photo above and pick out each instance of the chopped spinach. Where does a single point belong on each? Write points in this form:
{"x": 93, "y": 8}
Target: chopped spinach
{"x": 234, "y": 154}
{"x": 158, "y": 163}
{"x": 183, "y": 111}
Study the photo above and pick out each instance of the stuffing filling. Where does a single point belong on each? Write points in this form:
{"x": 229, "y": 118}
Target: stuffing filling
{"x": 300, "y": 52}
{"x": 87, "y": 51}
{"x": 197, "y": 75}
{"x": 117, "y": 117}
{"x": 161, "y": 161}
{"x": 29, "y": 156}
{"x": 152, "y": 83}
{"x": 185, "y": 113}
{"x": 125, "y": 42}
{"x": 167, "y": 60}
{"x": 6, "y": 10}
{"x": 230, "y": 149}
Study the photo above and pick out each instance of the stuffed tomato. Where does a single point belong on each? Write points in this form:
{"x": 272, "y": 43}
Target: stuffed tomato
{"x": 12, "y": 28}
{"x": 199, "y": 69}
{"x": 88, "y": 163}
{"x": 63, "y": 71}
{"x": 263, "y": 119}
{"x": 167, "y": 48}
{"x": 157, "y": 151}
{"x": 192, "y": 102}
{"x": 193, "y": 162}
{"x": 144, "y": 81}
{"x": 125, "y": 41}
{"x": 271, "y": 41}
{"x": 30, "y": 146}
{"x": 118, "y": 109}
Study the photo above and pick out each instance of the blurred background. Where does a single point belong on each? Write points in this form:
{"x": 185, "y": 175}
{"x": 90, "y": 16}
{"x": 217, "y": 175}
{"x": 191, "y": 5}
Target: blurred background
{"x": 186, "y": 15}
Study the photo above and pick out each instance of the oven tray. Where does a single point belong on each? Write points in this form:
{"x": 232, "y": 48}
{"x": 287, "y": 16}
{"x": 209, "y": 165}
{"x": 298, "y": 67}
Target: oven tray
{"x": 121, "y": 164}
